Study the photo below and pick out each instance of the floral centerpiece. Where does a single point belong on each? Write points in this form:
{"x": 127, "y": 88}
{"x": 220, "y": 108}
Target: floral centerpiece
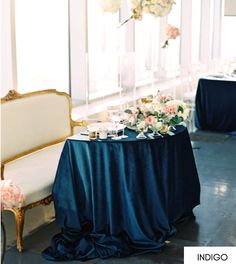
{"x": 161, "y": 115}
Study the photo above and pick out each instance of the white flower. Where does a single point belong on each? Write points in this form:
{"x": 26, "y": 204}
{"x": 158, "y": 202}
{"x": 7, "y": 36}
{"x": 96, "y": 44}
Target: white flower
{"x": 142, "y": 125}
{"x": 110, "y": 5}
{"x": 156, "y": 125}
{"x": 158, "y": 8}
{"x": 182, "y": 109}
{"x": 184, "y": 114}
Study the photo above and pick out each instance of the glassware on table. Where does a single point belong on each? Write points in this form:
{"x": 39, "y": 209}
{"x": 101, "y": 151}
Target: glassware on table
{"x": 165, "y": 128}
{"x": 141, "y": 128}
{"x": 103, "y": 133}
{"x": 92, "y": 134}
{"x": 114, "y": 116}
{"x": 123, "y": 121}
{"x": 155, "y": 127}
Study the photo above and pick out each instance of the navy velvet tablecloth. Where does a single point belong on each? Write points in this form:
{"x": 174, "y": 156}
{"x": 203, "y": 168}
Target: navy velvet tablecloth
{"x": 216, "y": 105}
{"x": 120, "y": 198}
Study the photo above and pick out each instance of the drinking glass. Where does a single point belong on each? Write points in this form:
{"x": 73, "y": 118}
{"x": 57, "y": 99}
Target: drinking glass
{"x": 123, "y": 121}
{"x": 115, "y": 117}
{"x": 156, "y": 127}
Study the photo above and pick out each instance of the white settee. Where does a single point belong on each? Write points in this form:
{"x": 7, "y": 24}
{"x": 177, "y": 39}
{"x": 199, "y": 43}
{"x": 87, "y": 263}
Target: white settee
{"x": 34, "y": 128}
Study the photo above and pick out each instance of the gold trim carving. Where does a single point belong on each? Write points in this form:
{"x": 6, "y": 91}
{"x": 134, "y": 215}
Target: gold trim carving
{"x": 45, "y": 201}
{"x": 20, "y": 212}
{"x": 11, "y": 95}
{"x": 82, "y": 123}
{"x": 14, "y": 95}
{"x": 20, "y": 218}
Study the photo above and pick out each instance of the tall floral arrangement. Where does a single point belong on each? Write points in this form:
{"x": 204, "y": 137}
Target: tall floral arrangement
{"x": 158, "y": 8}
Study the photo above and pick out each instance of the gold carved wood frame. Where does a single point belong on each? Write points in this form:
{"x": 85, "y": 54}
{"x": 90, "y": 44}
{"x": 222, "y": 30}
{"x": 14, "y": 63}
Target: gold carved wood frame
{"x": 19, "y": 213}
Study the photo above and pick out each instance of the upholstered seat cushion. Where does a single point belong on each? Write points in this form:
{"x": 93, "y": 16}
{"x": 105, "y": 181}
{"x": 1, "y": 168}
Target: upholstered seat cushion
{"x": 35, "y": 173}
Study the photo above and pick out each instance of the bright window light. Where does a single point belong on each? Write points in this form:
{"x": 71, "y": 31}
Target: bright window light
{"x": 42, "y": 45}
{"x": 172, "y": 53}
{"x": 103, "y": 49}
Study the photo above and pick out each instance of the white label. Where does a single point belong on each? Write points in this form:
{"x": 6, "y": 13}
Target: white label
{"x": 219, "y": 255}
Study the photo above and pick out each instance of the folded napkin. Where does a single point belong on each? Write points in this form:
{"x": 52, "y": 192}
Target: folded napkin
{"x": 79, "y": 137}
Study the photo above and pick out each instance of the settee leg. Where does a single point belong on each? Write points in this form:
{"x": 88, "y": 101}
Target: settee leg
{"x": 20, "y": 218}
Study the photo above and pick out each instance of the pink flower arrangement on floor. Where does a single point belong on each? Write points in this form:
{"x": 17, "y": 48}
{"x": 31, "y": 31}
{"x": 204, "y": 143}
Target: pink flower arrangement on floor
{"x": 171, "y": 32}
{"x": 11, "y": 195}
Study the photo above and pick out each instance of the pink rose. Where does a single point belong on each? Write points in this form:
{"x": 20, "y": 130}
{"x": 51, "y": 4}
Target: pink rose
{"x": 11, "y": 195}
{"x": 149, "y": 120}
{"x": 171, "y": 32}
{"x": 170, "y": 109}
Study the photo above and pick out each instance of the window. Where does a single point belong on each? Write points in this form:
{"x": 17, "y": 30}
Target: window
{"x": 229, "y": 41}
{"x": 196, "y": 21}
{"x": 172, "y": 54}
{"x": 102, "y": 57}
{"x": 103, "y": 49}
{"x": 42, "y": 45}
{"x": 146, "y": 47}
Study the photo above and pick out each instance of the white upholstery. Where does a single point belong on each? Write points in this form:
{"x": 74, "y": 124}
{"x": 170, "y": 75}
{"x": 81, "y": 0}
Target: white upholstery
{"x": 35, "y": 173}
{"x": 31, "y": 121}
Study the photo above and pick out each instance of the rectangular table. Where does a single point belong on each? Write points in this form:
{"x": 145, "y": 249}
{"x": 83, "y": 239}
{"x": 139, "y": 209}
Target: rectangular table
{"x": 216, "y": 104}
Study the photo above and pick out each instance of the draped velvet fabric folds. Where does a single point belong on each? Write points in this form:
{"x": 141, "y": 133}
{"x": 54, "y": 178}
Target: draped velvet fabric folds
{"x": 216, "y": 105}
{"x": 119, "y": 198}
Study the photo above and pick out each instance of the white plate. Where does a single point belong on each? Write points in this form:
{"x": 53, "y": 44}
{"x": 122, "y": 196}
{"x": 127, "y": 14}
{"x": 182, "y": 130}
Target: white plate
{"x": 108, "y": 125}
{"x": 217, "y": 75}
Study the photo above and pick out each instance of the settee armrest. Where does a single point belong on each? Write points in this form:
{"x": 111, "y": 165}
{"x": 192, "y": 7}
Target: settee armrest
{"x": 82, "y": 123}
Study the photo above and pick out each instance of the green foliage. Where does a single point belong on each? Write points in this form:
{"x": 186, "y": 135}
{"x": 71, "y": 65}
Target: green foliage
{"x": 128, "y": 111}
{"x": 176, "y": 120}
{"x": 180, "y": 109}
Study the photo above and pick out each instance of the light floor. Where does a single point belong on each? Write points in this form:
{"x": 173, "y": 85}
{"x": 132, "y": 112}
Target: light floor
{"x": 215, "y": 223}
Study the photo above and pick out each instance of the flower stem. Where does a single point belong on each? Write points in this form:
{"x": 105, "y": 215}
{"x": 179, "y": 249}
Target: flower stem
{"x": 125, "y": 21}
{"x": 166, "y": 44}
